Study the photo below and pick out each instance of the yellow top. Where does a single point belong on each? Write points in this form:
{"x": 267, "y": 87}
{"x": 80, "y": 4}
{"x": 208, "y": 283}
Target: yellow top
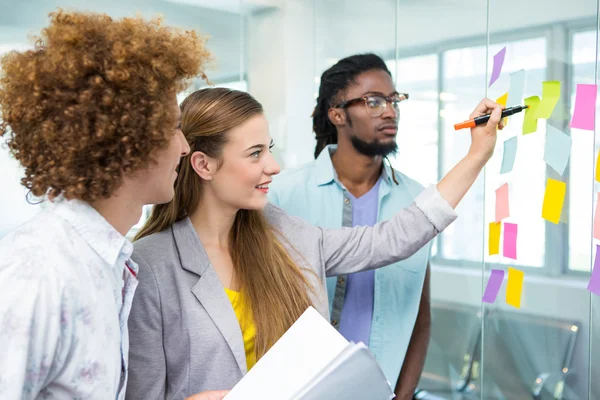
{"x": 246, "y": 324}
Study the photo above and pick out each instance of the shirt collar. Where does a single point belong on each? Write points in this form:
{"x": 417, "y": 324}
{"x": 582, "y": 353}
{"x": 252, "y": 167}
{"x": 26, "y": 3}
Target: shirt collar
{"x": 101, "y": 236}
{"x": 326, "y": 173}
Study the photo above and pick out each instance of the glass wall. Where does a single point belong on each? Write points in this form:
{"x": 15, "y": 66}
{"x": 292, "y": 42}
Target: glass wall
{"x": 442, "y": 53}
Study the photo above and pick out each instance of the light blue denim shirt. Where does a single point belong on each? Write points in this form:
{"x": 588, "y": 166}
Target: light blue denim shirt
{"x": 314, "y": 193}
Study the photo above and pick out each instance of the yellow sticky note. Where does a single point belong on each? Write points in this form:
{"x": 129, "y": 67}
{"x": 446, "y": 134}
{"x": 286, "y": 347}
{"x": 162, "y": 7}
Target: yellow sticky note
{"x": 550, "y": 96}
{"x": 514, "y": 287}
{"x": 598, "y": 167}
{"x": 530, "y": 119}
{"x": 502, "y": 100}
{"x": 494, "y": 240}
{"x": 554, "y": 199}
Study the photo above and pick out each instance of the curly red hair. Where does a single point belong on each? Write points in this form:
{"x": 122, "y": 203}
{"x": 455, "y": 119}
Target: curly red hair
{"x": 89, "y": 103}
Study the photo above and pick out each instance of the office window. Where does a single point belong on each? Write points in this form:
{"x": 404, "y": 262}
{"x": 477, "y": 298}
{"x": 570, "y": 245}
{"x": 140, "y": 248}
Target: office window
{"x": 464, "y": 80}
{"x": 417, "y": 138}
{"x": 581, "y": 198}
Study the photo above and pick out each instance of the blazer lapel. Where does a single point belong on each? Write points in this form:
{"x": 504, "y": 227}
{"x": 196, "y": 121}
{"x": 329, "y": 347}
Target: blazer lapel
{"x": 208, "y": 290}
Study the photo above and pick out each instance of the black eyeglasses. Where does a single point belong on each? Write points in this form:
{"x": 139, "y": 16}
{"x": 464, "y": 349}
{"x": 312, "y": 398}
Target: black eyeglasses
{"x": 376, "y": 104}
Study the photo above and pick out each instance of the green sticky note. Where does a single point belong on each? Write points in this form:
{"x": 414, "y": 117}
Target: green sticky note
{"x": 550, "y": 96}
{"x": 530, "y": 119}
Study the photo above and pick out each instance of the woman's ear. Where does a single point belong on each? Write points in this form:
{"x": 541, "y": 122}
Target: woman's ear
{"x": 204, "y": 165}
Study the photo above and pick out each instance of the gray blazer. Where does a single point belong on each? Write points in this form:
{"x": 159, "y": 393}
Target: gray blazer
{"x": 183, "y": 333}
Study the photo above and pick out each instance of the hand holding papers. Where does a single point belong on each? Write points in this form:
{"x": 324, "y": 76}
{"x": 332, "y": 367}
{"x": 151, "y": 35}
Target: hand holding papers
{"x": 313, "y": 361}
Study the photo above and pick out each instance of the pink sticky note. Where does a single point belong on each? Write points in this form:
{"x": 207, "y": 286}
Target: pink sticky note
{"x": 502, "y": 210}
{"x": 584, "y": 114}
{"x": 510, "y": 240}
{"x": 597, "y": 219}
{"x": 594, "y": 284}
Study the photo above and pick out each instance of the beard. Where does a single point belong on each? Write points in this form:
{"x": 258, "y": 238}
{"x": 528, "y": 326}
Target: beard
{"x": 374, "y": 148}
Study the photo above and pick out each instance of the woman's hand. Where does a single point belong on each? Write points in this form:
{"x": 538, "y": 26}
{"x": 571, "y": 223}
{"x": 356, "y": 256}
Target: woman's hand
{"x": 455, "y": 184}
{"x": 210, "y": 395}
{"x": 483, "y": 137}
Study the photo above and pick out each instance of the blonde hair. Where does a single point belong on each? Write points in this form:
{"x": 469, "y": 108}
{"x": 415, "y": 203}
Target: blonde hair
{"x": 274, "y": 286}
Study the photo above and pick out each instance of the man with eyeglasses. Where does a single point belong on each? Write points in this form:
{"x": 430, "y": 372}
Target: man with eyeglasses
{"x": 350, "y": 184}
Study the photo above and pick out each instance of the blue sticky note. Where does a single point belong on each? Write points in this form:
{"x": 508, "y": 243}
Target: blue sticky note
{"x": 516, "y": 87}
{"x": 557, "y": 149}
{"x": 510, "y": 153}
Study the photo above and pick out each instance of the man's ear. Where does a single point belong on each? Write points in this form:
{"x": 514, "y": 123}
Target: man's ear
{"x": 204, "y": 165}
{"x": 337, "y": 116}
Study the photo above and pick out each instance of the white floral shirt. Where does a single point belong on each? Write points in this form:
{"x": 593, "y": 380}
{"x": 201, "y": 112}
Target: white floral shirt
{"x": 66, "y": 285}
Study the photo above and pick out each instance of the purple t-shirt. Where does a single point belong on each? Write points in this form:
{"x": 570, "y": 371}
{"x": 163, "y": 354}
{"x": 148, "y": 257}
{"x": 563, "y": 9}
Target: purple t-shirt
{"x": 357, "y": 313}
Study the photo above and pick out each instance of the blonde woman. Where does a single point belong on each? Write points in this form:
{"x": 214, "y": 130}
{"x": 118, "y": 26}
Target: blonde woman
{"x": 223, "y": 274}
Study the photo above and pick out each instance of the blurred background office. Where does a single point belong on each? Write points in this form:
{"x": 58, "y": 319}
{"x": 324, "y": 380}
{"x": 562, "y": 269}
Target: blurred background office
{"x": 441, "y": 53}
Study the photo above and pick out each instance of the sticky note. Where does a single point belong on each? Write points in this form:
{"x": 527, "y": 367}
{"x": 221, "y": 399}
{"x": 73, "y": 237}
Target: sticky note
{"x": 530, "y": 119}
{"x": 493, "y": 286}
{"x": 502, "y": 209}
{"x": 510, "y": 241}
{"x": 598, "y": 167}
{"x": 561, "y": 111}
{"x": 494, "y": 240}
{"x": 597, "y": 219}
{"x": 554, "y": 198}
{"x": 516, "y": 87}
{"x": 510, "y": 153}
{"x": 498, "y": 63}
{"x": 584, "y": 114}
{"x": 502, "y": 99}
{"x": 594, "y": 283}
{"x": 550, "y": 96}
{"x": 557, "y": 149}
{"x": 514, "y": 287}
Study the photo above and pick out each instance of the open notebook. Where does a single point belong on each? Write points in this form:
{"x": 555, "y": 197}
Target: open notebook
{"x": 313, "y": 361}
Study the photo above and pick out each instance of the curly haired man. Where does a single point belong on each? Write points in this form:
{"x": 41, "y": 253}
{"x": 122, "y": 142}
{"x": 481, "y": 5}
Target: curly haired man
{"x": 91, "y": 114}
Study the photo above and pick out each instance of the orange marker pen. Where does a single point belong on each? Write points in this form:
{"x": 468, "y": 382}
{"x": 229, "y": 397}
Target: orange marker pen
{"x": 485, "y": 118}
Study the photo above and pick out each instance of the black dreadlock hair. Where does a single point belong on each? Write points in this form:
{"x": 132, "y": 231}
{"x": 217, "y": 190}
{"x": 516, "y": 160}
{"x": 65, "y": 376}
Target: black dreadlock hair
{"x": 334, "y": 82}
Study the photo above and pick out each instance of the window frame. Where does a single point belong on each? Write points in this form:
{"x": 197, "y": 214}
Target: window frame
{"x": 588, "y": 25}
{"x": 559, "y": 35}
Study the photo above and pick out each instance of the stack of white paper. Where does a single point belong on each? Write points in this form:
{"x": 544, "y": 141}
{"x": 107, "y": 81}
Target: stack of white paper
{"x": 313, "y": 361}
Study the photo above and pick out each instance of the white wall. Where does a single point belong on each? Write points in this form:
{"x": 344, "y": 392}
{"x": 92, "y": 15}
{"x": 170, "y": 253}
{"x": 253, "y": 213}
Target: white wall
{"x": 281, "y": 69}
{"x": 20, "y": 19}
